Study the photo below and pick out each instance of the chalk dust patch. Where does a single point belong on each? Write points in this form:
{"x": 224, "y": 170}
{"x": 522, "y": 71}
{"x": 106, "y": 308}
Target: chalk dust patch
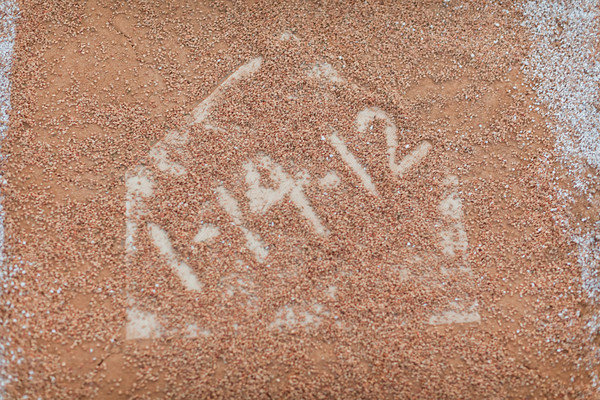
{"x": 142, "y": 325}
{"x": 292, "y": 317}
{"x": 403, "y": 273}
{"x": 454, "y": 238}
{"x": 160, "y": 153}
{"x": 207, "y": 233}
{"x": 331, "y": 292}
{"x": 325, "y": 71}
{"x": 456, "y": 317}
{"x": 163, "y": 244}
{"x": 330, "y": 180}
{"x": 288, "y": 36}
{"x": 193, "y": 331}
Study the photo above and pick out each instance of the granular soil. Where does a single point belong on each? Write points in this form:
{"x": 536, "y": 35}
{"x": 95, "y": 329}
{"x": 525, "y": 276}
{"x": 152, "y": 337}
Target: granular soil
{"x": 447, "y": 276}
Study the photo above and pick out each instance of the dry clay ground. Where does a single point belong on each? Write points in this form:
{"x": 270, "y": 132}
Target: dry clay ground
{"x": 297, "y": 200}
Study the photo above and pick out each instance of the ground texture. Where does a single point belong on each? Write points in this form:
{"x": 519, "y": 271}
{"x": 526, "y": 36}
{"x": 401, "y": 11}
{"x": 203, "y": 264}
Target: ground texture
{"x": 287, "y": 200}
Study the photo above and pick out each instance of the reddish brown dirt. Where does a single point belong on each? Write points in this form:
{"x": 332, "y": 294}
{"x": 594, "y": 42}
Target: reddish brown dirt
{"x": 96, "y": 84}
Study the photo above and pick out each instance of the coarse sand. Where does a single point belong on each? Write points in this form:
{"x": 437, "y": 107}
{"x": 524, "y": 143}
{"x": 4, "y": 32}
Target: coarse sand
{"x": 317, "y": 199}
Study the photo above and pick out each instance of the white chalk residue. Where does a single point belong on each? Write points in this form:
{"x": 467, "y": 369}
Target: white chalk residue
{"x": 232, "y": 207}
{"x": 456, "y": 317}
{"x": 262, "y": 198}
{"x": 206, "y": 233}
{"x": 330, "y": 180}
{"x": 564, "y": 69}
{"x": 364, "y": 120}
{"x": 325, "y": 71}
{"x": 292, "y": 317}
{"x": 453, "y": 237}
{"x": 142, "y": 325}
{"x": 139, "y": 186}
{"x": 8, "y": 15}
{"x": 193, "y": 331}
{"x": 353, "y": 163}
{"x": 161, "y": 150}
{"x": 201, "y": 112}
{"x": 184, "y": 272}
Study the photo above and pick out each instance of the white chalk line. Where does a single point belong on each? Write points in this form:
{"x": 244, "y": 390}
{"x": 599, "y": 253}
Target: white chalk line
{"x": 454, "y": 238}
{"x": 411, "y": 159}
{"x": 232, "y": 208}
{"x": 351, "y": 161}
{"x": 454, "y": 242}
{"x": 165, "y": 247}
{"x": 139, "y": 185}
{"x": 9, "y": 12}
{"x": 202, "y": 111}
{"x": 456, "y": 316}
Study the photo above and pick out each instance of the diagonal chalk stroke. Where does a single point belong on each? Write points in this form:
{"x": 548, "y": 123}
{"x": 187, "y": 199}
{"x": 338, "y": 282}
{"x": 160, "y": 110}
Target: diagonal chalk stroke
{"x": 413, "y": 158}
{"x": 159, "y": 153}
{"x": 206, "y": 233}
{"x": 303, "y": 204}
{"x": 184, "y": 272}
{"x": 368, "y": 115}
{"x": 201, "y": 112}
{"x": 262, "y": 198}
{"x": 353, "y": 163}
{"x": 232, "y": 207}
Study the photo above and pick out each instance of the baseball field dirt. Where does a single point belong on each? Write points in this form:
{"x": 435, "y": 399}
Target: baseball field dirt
{"x": 299, "y": 199}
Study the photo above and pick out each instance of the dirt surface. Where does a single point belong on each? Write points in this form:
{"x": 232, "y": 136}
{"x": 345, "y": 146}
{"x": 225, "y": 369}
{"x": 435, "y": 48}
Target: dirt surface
{"x": 297, "y": 200}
